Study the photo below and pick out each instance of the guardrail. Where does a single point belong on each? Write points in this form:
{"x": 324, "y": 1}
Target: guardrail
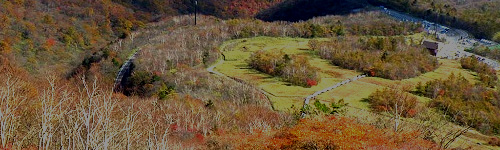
{"x": 125, "y": 67}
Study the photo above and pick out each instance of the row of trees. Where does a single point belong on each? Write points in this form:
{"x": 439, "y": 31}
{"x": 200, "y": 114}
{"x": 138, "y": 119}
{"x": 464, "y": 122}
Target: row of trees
{"x": 493, "y": 53}
{"x": 487, "y": 75}
{"x": 467, "y": 104}
{"x": 294, "y": 69}
{"x": 389, "y": 58}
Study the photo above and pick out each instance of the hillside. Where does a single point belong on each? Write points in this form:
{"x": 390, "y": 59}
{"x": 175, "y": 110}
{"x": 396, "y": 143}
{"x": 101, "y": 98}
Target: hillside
{"x": 220, "y": 8}
{"x": 68, "y": 35}
{"x": 44, "y": 35}
{"x": 480, "y": 17}
{"x": 295, "y": 10}
{"x": 300, "y": 78}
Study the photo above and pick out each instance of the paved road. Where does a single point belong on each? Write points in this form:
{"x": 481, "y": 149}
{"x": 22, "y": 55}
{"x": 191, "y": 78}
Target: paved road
{"x": 211, "y": 68}
{"x": 125, "y": 67}
{"x": 312, "y": 96}
{"x": 456, "y": 40}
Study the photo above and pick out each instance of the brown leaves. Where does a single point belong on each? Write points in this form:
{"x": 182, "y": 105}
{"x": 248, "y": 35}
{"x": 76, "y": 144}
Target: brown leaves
{"x": 330, "y": 133}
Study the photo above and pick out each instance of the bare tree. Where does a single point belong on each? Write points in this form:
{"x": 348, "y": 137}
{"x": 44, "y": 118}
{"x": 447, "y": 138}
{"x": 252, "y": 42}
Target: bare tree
{"x": 10, "y": 101}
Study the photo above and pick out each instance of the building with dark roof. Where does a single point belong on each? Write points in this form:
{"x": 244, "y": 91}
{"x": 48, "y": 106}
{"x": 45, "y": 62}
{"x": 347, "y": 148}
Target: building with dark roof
{"x": 432, "y": 46}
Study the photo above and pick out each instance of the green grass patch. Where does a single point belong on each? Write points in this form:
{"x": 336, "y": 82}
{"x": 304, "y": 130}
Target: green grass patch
{"x": 284, "y": 95}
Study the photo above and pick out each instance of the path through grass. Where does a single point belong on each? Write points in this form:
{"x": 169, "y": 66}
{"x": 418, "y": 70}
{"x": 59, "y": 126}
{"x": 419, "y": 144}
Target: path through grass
{"x": 284, "y": 96}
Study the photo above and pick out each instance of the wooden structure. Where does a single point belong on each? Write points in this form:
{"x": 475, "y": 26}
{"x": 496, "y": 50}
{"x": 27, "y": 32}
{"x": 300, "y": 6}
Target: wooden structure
{"x": 432, "y": 46}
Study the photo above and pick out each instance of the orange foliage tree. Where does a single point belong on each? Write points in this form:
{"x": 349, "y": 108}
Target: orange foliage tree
{"x": 328, "y": 133}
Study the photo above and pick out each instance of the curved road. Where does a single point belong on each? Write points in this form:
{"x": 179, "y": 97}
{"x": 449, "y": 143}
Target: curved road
{"x": 125, "y": 67}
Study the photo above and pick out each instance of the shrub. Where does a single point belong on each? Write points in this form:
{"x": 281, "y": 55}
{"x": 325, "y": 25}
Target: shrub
{"x": 328, "y": 133}
{"x": 486, "y": 74}
{"x": 142, "y": 83}
{"x": 388, "y": 58}
{"x": 473, "y": 105}
{"x": 494, "y": 141}
{"x": 313, "y": 44}
{"x": 493, "y": 53}
{"x": 321, "y": 107}
{"x": 294, "y": 69}
{"x": 496, "y": 37}
{"x": 390, "y": 99}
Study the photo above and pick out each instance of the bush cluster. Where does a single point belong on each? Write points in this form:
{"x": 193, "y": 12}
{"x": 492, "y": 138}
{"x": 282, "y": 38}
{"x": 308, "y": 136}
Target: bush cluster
{"x": 473, "y": 105}
{"x": 388, "y": 58}
{"x": 294, "y": 69}
{"x": 326, "y": 133}
{"x": 392, "y": 101}
{"x": 487, "y": 75}
{"x": 147, "y": 84}
{"x": 493, "y": 53}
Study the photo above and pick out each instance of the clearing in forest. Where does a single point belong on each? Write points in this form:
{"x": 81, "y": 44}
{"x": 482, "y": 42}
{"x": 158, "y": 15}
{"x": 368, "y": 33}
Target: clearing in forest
{"x": 283, "y": 95}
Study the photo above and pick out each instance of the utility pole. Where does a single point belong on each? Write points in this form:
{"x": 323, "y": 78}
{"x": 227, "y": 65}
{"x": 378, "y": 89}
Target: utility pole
{"x": 195, "y": 10}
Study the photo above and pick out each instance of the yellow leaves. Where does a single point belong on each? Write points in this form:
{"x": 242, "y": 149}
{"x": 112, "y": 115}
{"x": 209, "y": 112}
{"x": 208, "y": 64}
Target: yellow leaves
{"x": 90, "y": 11}
{"x": 5, "y": 47}
{"x": 47, "y": 19}
{"x": 496, "y": 37}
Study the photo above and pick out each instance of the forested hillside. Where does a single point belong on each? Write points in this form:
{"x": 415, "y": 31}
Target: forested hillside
{"x": 60, "y": 34}
{"x": 480, "y": 17}
{"x": 219, "y": 8}
{"x": 59, "y": 61}
{"x": 295, "y": 10}
{"x": 39, "y": 34}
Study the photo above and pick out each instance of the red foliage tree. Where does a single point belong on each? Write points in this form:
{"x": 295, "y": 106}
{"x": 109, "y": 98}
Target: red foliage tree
{"x": 330, "y": 133}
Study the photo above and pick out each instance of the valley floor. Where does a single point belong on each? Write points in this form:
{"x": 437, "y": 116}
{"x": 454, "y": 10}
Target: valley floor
{"x": 287, "y": 97}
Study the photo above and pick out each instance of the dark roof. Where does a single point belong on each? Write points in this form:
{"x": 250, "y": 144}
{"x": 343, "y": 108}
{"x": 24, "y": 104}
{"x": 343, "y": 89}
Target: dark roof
{"x": 431, "y": 45}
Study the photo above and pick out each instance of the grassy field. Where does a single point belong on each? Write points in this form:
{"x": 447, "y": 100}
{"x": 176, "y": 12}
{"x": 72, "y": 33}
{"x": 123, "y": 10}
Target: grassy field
{"x": 284, "y": 96}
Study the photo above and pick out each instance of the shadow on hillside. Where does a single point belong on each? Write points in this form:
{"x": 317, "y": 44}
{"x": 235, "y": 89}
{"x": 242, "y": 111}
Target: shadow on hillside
{"x": 296, "y": 10}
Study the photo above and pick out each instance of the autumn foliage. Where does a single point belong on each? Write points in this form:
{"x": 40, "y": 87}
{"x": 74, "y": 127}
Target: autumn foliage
{"x": 328, "y": 133}
{"x": 219, "y": 8}
{"x": 476, "y": 105}
{"x": 389, "y": 58}
{"x": 295, "y": 69}
{"x": 487, "y": 75}
{"x": 479, "y": 17}
{"x": 392, "y": 101}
